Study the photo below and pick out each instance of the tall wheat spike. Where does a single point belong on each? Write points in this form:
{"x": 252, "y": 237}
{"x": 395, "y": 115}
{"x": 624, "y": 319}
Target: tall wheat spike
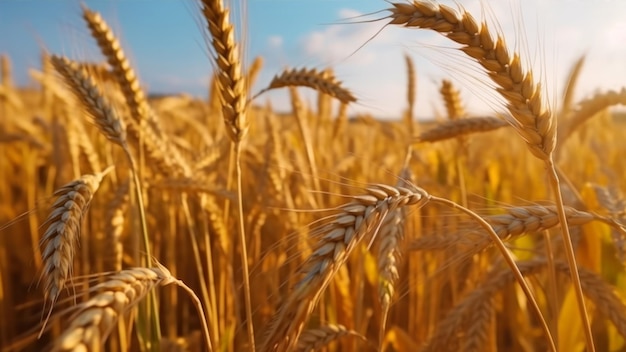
{"x": 233, "y": 93}
{"x": 230, "y": 79}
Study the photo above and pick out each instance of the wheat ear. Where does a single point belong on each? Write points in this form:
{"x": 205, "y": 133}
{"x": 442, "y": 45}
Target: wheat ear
{"x": 461, "y": 127}
{"x": 94, "y": 319}
{"x": 122, "y": 71}
{"x": 588, "y": 108}
{"x": 322, "y": 81}
{"x": 92, "y": 100}
{"x": 411, "y": 92}
{"x": 315, "y": 339}
{"x": 568, "y": 94}
{"x": 531, "y": 118}
{"x": 64, "y": 224}
{"x": 356, "y": 220}
{"x": 391, "y": 238}
{"x": 452, "y": 100}
{"x": 230, "y": 80}
{"x": 509, "y": 226}
{"x": 443, "y": 337}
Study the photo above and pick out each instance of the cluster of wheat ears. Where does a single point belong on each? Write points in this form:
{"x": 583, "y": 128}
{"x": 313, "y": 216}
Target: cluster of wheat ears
{"x": 307, "y": 231}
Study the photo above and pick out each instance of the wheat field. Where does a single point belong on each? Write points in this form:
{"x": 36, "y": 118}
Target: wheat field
{"x": 138, "y": 223}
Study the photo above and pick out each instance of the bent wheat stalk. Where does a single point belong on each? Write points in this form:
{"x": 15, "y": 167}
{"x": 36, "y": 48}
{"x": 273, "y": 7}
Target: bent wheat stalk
{"x": 360, "y": 218}
{"x": 95, "y": 319}
{"x": 510, "y": 261}
{"x": 112, "y": 127}
{"x": 530, "y": 116}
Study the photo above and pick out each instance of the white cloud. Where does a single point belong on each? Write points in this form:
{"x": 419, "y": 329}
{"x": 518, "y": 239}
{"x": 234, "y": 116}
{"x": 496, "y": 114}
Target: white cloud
{"x": 275, "y": 41}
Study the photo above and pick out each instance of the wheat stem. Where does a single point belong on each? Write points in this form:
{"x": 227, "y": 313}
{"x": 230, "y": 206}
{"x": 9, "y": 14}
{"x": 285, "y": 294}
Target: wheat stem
{"x": 569, "y": 253}
{"x": 510, "y": 262}
{"x": 244, "y": 251}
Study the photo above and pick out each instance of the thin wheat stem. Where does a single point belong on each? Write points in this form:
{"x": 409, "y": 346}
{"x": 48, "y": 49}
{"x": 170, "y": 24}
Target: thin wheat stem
{"x": 244, "y": 251}
{"x": 510, "y": 262}
{"x": 196, "y": 256}
{"x": 569, "y": 253}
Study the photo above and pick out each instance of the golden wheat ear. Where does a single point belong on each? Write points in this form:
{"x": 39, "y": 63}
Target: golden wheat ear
{"x": 86, "y": 91}
{"x": 230, "y": 79}
{"x": 322, "y": 81}
{"x": 94, "y": 319}
{"x": 531, "y": 118}
{"x": 122, "y": 71}
{"x": 64, "y": 225}
{"x": 461, "y": 127}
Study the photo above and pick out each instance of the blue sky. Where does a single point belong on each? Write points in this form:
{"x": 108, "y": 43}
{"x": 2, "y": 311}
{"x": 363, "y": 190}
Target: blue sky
{"x": 165, "y": 42}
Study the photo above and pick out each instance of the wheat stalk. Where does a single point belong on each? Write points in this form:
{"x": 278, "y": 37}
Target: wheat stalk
{"x": 233, "y": 92}
{"x": 95, "y": 318}
{"x": 530, "y": 117}
{"x": 360, "y": 218}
